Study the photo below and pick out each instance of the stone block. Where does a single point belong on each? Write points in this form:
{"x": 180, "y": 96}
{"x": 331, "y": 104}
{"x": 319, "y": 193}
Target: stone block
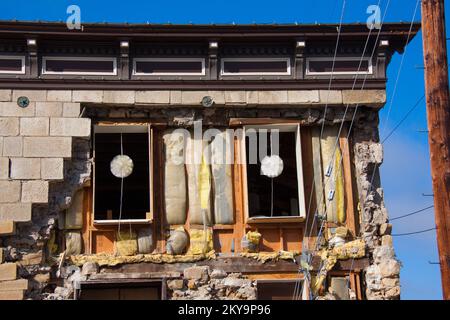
{"x": 385, "y": 229}
{"x": 18, "y": 212}
{"x": 386, "y": 240}
{"x": 119, "y": 97}
{"x": 70, "y": 127}
{"x": 49, "y": 109}
{"x": 273, "y": 97}
{"x": 23, "y": 168}
{"x": 59, "y": 95}
{"x": 197, "y": 273}
{"x": 11, "y": 109}
{"x": 12, "y": 285}
{"x": 33, "y": 95}
{"x": 12, "y": 295}
{"x": 389, "y": 268}
{"x": 71, "y": 110}
{"x": 9, "y": 191}
{"x": 87, "y": 96}
{"x": 89, "y": 268}
{"x": 175, "y": 97}
{"x": 33, "y": 258}
{"x": 376, "y": 98}
{"x": 8, "y": 271}
{"x": 35, "y": 191}
{"x": 192, "y": 97}
{"x": 5, "y": 95}
{"x": 217, "y": 96}
{"x": 9, "y": 126}
{"x": 52, "y": 168}
{"x": 330, "y": 97}
{"x": 47, "y": 147}
{"x": 7, "y": 228}
{"x": 303, "y": 96}
{"x": 4, "y": 168}
{"x": 235, "y": 97}
{"x": 153, "y": 97}
{"x": 12, "y": 146}
{"x": 176, "y": 284}
{"x": 251, "y": 97}
{"x": 34, "y": 126}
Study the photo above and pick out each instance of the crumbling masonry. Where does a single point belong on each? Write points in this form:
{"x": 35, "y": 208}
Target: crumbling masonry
{"x": 56, "y": 244}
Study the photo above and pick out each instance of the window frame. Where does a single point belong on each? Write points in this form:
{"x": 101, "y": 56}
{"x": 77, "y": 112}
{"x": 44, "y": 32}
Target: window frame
{"x": 368, "y": 59}
{"x": 283, "y": 127}
{"x": 140, "y": 74}
{"x": 125, "y": 128}
{"x": 78, "y": 73}
{"x": 9, "y": 57}
{"x": 256, "y": 59}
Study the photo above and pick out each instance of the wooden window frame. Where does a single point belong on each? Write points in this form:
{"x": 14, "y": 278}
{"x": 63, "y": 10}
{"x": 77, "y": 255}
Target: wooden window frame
{"x": 202, "y": 73}
{"x": 368, "y": 59}
{"x": 283, "y": 127}
{"x": 286, "y": 59}
{"x": 126, "y": 128}
{"x": 79, "y": 73}
{"x": 21, "y": 58}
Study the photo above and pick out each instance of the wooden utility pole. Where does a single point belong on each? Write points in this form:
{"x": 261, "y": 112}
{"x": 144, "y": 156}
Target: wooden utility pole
{"x": 438, "y": 114}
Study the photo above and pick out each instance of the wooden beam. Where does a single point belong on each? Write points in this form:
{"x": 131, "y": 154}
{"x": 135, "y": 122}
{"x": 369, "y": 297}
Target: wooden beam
{"x": 438, "y": 112}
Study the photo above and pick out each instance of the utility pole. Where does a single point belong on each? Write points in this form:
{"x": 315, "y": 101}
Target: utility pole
{"x": 438, "y": 116}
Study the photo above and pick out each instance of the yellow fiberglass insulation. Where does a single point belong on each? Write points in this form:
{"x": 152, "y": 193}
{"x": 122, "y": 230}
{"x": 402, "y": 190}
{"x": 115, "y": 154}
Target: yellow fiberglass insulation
{"x": 339, "y": 194}
{"x": 271, "y": 256}
{"x": 200, "y": 242}
{"x": 350, "y": 250}
{"x": 126, "y": 243}
{"x": 104, "y": 260}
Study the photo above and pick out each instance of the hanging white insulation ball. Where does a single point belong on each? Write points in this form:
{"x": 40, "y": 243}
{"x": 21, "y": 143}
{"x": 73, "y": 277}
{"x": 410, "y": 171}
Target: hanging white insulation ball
{"x": 271, "y": 166}
{"x": 121, "y": 166}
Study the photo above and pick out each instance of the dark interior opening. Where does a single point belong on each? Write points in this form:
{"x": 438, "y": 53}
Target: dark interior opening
{"x": 136, "y": 187}
{"x": 10, "y": 65}
{"x": 81, "y": 66}
{"x": 276, "y": 289}
{"x": 122, "y": 291}
{"x": 339, "y": 66}
{"x": 255, "y": 67}
{"x": 169, "y": 67}
{"x": 285, "y": 186}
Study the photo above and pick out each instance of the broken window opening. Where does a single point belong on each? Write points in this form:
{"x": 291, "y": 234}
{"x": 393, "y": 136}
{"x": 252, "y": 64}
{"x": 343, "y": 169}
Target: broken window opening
{"x": 280, "y": 196}
{"x": 136, "y": 191}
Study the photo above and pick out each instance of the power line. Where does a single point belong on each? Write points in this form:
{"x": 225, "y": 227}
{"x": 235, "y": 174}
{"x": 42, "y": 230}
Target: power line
{"x": 412, "y": 213}
{"x": 404, "y": 118}
{"x": 411, "y": 233}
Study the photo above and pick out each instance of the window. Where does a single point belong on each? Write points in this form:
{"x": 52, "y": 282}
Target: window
{"x": 79, "y": 66}
{"x": 135, "y": 142}
{"x": 256, "y": 66}
{"x": 12, "y": 64}
{"x": 324, "y": 66}
{"x": 169, "y": 66}
{"x": 281, "y": 197}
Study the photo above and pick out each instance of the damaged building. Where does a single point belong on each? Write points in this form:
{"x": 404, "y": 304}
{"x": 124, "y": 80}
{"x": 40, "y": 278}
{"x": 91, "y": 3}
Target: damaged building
{"x": 194, "y": 161}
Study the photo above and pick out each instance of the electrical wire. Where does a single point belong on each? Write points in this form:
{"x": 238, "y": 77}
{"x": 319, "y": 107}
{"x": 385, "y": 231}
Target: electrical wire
{"x": 412, "y": 233}
{"x": 412, "y": 213}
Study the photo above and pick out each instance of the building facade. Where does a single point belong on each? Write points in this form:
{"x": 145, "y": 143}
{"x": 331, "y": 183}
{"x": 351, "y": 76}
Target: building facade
{"x": 186, "y": 162}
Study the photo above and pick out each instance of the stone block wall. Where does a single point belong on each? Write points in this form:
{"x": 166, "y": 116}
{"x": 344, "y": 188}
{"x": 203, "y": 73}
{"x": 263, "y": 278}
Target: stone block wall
{"x": 45, "y": 159}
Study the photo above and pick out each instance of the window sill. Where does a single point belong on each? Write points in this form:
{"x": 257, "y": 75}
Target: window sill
{"x": 123, "y": 221}
{"x": 275, "y": 220}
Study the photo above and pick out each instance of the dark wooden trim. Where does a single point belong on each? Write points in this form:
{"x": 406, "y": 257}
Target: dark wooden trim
{"x": 89, "y": 84}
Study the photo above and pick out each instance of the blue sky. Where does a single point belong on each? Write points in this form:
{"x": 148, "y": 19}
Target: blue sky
{"x": 406, "y": 170}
